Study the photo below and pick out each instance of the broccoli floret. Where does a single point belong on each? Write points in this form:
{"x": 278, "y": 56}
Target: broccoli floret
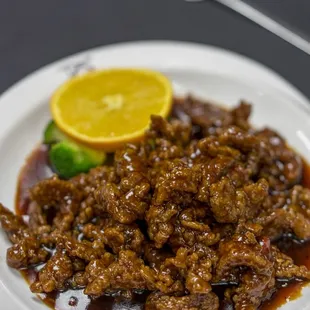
{"x": 53, "y": 134}
{"x": 69, "y": 158}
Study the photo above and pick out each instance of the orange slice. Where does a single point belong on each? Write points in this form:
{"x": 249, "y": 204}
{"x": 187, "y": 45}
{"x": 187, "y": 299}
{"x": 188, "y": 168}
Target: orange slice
{"x": 105, "y": 109}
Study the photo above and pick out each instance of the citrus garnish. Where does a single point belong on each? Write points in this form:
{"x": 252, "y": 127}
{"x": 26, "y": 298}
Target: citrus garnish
{"x": 105, "y": 109}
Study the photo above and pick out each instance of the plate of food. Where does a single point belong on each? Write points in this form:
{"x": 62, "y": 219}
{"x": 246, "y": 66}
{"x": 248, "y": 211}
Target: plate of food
{"x": 154, "y": 175}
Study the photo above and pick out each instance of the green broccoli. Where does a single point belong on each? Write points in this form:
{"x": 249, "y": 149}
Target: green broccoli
{"x": 53, "y": 134}
{"x": 70, "y": 159}
{"x": 67, "y": 157}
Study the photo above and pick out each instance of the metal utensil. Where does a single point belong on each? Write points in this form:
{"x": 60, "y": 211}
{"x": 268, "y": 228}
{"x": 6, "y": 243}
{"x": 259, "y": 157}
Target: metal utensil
{"x": 266, "y": 22}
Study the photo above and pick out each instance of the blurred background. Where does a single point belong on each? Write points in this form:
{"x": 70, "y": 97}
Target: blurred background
{"x": 34, "y": 33}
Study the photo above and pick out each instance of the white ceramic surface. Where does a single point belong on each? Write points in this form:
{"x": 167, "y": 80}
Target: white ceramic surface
{"x": 205, "y": 71}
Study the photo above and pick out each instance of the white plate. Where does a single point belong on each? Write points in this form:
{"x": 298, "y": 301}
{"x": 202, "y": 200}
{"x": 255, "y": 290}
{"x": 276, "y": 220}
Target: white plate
{"x": 203, "y": 70}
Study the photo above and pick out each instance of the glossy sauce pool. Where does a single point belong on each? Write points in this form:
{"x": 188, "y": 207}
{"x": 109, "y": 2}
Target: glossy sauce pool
{"x": 37, "y": 168}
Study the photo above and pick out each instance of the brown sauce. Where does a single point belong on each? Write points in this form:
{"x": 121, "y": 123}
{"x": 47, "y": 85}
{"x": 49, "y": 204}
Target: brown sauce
{"x": 37, "y": 168}
{"x": 77, "y": 300}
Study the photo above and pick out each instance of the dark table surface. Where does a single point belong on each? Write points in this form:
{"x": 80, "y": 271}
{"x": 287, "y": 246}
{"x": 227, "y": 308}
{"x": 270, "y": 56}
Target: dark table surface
{"x": 34, "y": 33}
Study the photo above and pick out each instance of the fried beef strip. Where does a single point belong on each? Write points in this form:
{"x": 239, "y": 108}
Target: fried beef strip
{"x": 158, "y": 301}
{"x": 197, "y": 204}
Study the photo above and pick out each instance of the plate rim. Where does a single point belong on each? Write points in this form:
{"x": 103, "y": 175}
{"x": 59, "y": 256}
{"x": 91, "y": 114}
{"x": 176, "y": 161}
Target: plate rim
{"x": 163, "y": 44}
{"x": 282, "y": 86}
